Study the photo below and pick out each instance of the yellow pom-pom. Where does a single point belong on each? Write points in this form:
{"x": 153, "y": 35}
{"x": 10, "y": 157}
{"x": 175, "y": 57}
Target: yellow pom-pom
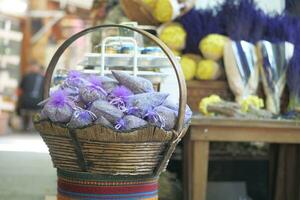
{"x": 189, "y": 67}
{"x": 212, "y": 46}
{"x": 173, "y": 35}
{"x": 207, "y": 101}
{"x": 252, "y": 100}
{"x": 208, "y": 70}
{"x": 163, "y": 10}
{"x": 150, "y": 3}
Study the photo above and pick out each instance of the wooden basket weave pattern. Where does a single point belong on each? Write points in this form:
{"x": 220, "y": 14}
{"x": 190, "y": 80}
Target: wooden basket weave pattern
{"x": 97, "y": 149}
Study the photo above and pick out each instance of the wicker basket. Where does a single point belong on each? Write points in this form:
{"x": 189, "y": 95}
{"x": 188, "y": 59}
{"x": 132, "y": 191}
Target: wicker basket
{"x": 100, "y": 150}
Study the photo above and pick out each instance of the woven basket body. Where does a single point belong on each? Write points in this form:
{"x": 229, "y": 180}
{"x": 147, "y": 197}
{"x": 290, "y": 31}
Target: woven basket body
{"x": 97, "y": 149}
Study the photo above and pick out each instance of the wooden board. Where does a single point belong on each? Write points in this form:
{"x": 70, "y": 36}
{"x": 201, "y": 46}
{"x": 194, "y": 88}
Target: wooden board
{"x": 199, "y": 120}
{"x": 219, "y": 129}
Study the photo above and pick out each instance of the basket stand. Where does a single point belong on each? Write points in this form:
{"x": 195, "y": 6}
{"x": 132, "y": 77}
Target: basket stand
{"x": 78, "y": 185}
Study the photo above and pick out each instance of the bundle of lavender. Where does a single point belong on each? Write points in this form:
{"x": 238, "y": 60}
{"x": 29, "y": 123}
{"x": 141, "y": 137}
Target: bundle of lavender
{"x": 274, "y": 62}
{"x": 198, "y": 24}
{"x": 293, "y": 82}
{"x": 243, "y": 23}
{"x": 275, "y": 51}
{"x": 293, "y": 74}
{"x": 122, "y": 103}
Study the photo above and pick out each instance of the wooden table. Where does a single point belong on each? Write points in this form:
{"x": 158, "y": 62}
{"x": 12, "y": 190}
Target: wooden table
{"x": 204, "y": 130}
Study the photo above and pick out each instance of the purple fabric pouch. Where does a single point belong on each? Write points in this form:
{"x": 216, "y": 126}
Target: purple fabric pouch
{"x": 175, "y": 106}
{"x": 135, "y": 84}
{"x": 119, "y": 96}
{"x": 161, "y": 117}
{"x": 106, "y": 110}
{"x": 74, "y": 79}
{"x": 139, "y": 104}
{"x": 129, "y": 122}
{"x": 58, "y": 107}
{"x": 93, "y": 90}
{"x": 104, "y": 122}
{"x": 81, "y": 118}
{"x": 108, "y": 84}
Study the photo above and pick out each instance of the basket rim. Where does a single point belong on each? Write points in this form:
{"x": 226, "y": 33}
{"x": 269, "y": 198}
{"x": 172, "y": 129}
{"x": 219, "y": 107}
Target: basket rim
{"x": 37, "y": 120}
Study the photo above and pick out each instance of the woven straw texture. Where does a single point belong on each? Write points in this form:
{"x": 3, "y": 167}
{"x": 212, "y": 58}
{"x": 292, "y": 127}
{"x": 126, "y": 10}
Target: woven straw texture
{"x": 101, "y": 150}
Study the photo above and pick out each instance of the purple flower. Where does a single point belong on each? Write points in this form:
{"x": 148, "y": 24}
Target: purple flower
{"x": 118, "y": 96}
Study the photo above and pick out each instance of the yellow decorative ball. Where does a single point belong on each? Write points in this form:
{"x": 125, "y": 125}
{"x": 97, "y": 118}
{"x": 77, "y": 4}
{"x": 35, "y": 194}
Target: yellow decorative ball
{"x": 150, "y": 3}
{"x": 208, "y": 70}
{"x": 163, "y": 10}
{"x": 212, "y": 46}
{"x": 189, "y": 67}
{"x": 173, "y": 35}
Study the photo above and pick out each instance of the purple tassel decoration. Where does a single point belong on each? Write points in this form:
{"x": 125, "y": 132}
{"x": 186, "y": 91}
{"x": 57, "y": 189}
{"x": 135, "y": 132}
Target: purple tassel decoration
{"x": 81, "y": 118}
{"x": 119, "y": 96}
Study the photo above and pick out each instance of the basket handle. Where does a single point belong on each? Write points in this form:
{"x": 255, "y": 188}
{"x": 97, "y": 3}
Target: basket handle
{"x": 166, "y": 50}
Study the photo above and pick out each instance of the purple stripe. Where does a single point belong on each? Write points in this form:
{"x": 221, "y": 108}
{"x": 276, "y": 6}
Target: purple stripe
{"x": 105, "y": 196}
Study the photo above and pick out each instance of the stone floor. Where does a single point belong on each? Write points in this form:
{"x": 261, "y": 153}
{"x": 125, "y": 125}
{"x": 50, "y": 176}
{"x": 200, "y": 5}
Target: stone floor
{"x": 26, "y": 171}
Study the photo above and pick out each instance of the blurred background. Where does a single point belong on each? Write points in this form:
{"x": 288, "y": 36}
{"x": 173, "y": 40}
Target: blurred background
{"x": 30, "y": 32}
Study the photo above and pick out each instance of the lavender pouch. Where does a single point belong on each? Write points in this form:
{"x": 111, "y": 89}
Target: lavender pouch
{"x": 130, "y": 122}
{"x": 81, "y": 118}
{"x": 104, "y": 109}
{"x": 92, "y": 90}
{"x": 136, "y": 84}
{"x": 58, "y": 107}
{"x": 139, "y": 104}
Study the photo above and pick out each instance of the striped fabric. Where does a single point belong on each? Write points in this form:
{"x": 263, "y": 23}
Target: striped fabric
{"x": 74, "y": 185}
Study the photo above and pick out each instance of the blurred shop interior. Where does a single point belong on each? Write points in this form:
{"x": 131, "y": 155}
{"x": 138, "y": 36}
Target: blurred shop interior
{"x": 30, "y": 33}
